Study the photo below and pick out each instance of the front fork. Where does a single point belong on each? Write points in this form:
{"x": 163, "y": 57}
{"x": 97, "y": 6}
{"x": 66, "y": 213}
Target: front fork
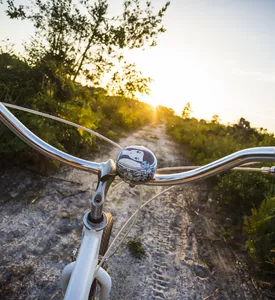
{"x": 101, "y": 276}
{"x": 78, "y": 276}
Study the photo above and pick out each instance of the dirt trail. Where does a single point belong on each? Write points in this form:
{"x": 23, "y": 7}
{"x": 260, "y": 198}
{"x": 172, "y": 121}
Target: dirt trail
{"x": 41, "y": 221}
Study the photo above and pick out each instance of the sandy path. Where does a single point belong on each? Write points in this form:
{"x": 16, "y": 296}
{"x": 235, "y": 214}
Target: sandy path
{"x": 41, "y": 223}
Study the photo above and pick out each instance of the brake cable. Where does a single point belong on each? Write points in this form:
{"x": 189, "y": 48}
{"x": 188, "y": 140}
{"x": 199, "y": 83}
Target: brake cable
{"x": 63, "y": 121}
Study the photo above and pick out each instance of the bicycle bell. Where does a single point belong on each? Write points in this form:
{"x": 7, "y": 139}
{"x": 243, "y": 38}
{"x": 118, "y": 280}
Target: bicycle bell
{"x": 136, "y": 164}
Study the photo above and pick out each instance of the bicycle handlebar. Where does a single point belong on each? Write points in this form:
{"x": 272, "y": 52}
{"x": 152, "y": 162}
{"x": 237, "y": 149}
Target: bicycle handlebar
{"x": 258, "y": 154}
{"x": 264, "y": 170}
{"x": 35, "y": 142}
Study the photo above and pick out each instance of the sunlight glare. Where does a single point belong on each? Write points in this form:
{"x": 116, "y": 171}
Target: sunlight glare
{"x": 189, "y": 80}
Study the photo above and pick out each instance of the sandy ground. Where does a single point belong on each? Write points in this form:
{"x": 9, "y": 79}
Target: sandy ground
{"x": 41, "y": 222}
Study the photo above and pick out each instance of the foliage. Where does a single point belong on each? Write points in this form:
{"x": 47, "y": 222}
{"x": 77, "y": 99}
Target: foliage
{"x": 186, "y": 112}
{"x": 84, "y": 41}
{"x": 119, "y": 111}
{"x": 260, "y": 231}
{"x": 90, "y": 107}
{"x": 17, "y": 79}
{"x": 215, "y": 119}
{"x": 136, "y": 249}
{"x": 164, "y": 114}
{"x": 210, "y": 140}
{"x": 237, "y": 193}
{"x": 76, "y": 43}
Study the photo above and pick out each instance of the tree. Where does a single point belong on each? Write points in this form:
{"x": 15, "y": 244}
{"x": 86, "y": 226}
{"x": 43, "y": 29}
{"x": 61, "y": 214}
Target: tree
{"x": 243, "y": 124}
{"x": 18, "y": 82}
{"x": 215, "y": 119}
{"x": 164, "y": 114}
{"x": 84, "y": 41}
{"x": 186, "y": 112}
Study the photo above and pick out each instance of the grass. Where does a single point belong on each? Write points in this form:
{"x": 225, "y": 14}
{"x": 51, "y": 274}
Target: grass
{"x": 136, "y": 249}
{"x": 154, "y": 137}
{"x": 67, "y": 216}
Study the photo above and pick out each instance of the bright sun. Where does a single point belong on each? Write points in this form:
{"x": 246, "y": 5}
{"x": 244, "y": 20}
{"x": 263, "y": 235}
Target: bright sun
{"x": 184, "y": 79}
{"x": 179, "y": 79}
{"x": 196, "y": 87}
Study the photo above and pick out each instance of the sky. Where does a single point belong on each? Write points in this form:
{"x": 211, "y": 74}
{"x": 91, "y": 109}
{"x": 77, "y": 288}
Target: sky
{"x": 219, "y": 56}
{"x": 216, "y": 54}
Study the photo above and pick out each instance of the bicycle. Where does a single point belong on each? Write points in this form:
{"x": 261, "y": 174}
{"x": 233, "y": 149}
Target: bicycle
{"x": 135, "y": 165}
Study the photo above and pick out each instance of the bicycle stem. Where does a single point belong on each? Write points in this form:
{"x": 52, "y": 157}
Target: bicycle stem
{"x": 105, "y": 179}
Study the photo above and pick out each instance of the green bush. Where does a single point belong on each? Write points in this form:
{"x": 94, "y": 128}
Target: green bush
{"x": 111, "y": 135}
{"x": 136, "y": 249}
{"x": 236, "y": 192}
{"x": 241, "y": 191}
{"x": 259, "y": 229}
{"x": 30, "y": 86}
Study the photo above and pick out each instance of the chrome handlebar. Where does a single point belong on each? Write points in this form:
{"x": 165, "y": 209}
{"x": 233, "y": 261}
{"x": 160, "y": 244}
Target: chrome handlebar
{"x": 264, "y": 170}
{"x": 258, "y": 154}
{"x": 35, "y": 142}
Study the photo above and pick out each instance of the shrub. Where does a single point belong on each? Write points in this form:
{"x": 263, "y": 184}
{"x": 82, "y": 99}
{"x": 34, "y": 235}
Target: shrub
{"x": 90, "y": 107}
{"x": 240, "y": 191}
{"x": 136, "y": 249}
{"x": 236, "y": 192}
{"x": 259, "y": 229}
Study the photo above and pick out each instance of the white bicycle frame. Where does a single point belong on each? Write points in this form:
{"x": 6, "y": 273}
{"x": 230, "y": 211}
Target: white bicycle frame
{"x": 77, "y": 277}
